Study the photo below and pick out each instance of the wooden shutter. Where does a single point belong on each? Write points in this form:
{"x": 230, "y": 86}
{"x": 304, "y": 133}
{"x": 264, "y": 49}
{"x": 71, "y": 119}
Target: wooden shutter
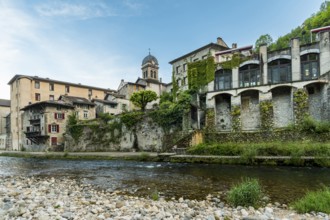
{"x": 49, "y": 128}
{"x": 63, "y": 115}
{"x": 55, "y": 115}
{"x": 58, "y": 128}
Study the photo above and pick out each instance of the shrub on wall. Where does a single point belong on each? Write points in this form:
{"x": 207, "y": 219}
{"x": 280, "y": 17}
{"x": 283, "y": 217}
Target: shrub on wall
{"x": 200, "y": 73}
{"x": 236, "y": 118}
{"x": 210, "y": 120}
{"x": 266, "y": 115}
{"x": 300, "y": 103}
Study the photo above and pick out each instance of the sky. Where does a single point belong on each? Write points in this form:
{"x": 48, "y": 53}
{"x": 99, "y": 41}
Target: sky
{"x": 100, "y": 42}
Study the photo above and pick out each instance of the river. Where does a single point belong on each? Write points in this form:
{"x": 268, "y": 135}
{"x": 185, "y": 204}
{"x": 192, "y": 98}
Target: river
{"x": 193, "y": 181}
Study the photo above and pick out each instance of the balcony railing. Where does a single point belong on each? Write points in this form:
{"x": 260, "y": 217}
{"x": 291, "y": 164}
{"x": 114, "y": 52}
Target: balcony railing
{"x": 34, "y": 121}
{"x": 275, "y": 53}
{"x": 310, "y": 46}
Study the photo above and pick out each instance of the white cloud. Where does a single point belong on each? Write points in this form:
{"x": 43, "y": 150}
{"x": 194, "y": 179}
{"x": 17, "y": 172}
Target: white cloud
{"x": 80, "y": 10}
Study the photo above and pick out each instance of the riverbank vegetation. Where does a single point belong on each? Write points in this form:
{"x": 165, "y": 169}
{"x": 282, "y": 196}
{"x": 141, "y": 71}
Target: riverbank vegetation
{"x": 318, "y": 201}
{"x": 247, "y": 193}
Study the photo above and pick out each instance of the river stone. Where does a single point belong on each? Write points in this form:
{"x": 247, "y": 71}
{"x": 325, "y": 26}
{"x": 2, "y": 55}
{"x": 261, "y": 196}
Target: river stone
{"x": 244, "y": 213}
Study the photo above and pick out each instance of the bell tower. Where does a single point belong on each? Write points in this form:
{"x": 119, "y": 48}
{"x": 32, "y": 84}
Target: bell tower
{"x": 150, "y": 67}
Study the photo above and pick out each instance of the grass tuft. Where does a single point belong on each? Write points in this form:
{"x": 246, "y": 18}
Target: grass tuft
{"x": 318, "y": 201}
{"x": 247, "y": 193}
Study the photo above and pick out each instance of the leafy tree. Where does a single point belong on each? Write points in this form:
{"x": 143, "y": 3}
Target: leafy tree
{"x": 142, "y": 98}
{"x": 166, "y": 97}
{"x": 263, "y": 39}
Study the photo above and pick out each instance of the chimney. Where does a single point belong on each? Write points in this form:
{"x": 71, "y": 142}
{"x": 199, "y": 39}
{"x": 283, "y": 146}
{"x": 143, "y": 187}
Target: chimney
{"x": 221, "y": 42}
{"x": 234, "y": 46}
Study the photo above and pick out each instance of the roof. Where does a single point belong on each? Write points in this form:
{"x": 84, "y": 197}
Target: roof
{"x": 76, "y": 100}
{"x": 211, "y": 45}
{"x": 37, "y": 78}
{"x": 49, "y": 103}
{"x": 115, "y": 95}
{"x": 155, "y": 81}
{"x": 105, "y": 101}
{"x": 321, "y": 29}
{"x": 149, "y": 58}
{"x": 5, "y": 102}
{"x": 234, "y": 50}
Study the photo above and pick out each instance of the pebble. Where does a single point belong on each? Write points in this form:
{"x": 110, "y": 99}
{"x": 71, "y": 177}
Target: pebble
{"x": 66, "y": 199}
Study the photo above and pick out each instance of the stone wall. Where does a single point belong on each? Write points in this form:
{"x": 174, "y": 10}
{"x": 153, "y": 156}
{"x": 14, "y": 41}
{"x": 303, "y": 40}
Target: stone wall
{"x": 282, "y": 106}
{"x": 223, "y": 116}
{"x": 145, "y": 136}
{"x": 250, "y": 113}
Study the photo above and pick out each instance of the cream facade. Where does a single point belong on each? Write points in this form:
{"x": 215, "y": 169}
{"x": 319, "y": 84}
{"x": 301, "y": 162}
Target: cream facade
{"x": 26, "y": 90}
{"x": 4, "y": 112}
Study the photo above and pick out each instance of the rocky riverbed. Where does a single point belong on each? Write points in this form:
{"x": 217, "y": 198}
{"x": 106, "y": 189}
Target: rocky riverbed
{"x": 64, "y": 198}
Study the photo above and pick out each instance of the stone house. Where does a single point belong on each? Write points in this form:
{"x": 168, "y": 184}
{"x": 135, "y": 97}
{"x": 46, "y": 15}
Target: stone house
{"x": 84, "y": 109}
{"x": 4, "y": 112}
{"x": 112, "y": 103}
{"x": 273, "y": 77}
{"x": 26, "y": 90}
{"x": 44, "y": 124}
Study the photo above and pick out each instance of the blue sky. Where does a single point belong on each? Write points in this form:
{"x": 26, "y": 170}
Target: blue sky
{"x": 100, "y": 42}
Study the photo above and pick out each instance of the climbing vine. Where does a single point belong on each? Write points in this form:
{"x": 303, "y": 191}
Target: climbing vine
{"x": 175, "y": 86}
{"x": 210, "y": 120}
{"x": 266, "y": 115}
{"x": 200, "y": 73}
{"x": 300, "y": 100}
{"x": 235, "y": 61}
{"x": 236, "y": 118}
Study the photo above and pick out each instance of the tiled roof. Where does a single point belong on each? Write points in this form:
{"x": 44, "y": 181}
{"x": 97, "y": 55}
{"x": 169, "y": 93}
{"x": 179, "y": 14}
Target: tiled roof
{"x": 49, "y": 103}
{"x": 76, "y": 100}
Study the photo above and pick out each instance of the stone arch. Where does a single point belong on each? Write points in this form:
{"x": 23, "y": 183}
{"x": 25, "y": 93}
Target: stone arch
{"x": 250, "y": 112}
{"x": 223, "y": 112}
{"x": 282, "y": 105}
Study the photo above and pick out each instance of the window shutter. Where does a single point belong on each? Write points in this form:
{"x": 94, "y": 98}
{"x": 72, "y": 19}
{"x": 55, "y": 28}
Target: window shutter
{"x": 58, "y": 128}
{"x": 63, "y": 115}
{"x": 49, "y": 128}
{"x": 55, "y": 115}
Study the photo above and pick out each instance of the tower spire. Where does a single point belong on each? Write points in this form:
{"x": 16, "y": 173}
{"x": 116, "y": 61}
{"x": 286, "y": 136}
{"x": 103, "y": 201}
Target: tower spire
{"x": 149, "y": 51}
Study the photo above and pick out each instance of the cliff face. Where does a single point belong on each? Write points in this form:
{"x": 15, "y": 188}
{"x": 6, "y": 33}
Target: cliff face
{"x": 145, "y": 135}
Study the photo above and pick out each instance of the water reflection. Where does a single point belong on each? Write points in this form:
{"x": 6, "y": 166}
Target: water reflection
{"x": 194, "y": 181}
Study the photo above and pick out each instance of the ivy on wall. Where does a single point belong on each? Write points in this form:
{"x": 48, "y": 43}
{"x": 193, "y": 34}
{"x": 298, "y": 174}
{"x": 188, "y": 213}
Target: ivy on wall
{"x": 300, "y": 103}
{"x": 236, "y": 118}
{"x": 174, "y": 85}
{"x": 235, "y": 61}
{"x": 200, "y": 73}
{"x": 266, "y": 115}
{"x": 210, "y": 120}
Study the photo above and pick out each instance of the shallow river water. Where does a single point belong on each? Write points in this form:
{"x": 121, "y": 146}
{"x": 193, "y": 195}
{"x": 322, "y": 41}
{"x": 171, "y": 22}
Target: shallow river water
{"x": 194, "y": 181}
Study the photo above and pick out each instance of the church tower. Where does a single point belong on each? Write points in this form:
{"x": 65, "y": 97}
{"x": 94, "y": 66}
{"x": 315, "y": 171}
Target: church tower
{"x": 150, "y": 67}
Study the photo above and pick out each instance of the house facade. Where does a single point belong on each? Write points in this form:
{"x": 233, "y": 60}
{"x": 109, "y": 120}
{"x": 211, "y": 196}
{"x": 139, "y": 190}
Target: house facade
{"x": 44, "y": 124}
{"x": 26, "y": 90}
{"x": 4, "y": 112}
{"x": 273, "y": 77}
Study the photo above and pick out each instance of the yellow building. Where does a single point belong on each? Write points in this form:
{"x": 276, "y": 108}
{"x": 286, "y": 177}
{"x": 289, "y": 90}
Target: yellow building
{"x": 26, "y": 90}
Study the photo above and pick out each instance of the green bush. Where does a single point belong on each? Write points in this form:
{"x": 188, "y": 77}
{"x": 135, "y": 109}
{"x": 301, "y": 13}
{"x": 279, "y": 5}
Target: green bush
{"x": 247, "y": 193}
{"x": 318, "y": 201}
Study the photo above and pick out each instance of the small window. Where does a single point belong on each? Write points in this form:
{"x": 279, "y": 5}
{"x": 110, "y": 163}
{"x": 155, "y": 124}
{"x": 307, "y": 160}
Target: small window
{"x": 184, "y": 67}
{"x": 37, "y": 84}
{"x": 177, "y": 69}
{"x": 67, "y": 89}
{"x": 51, "y": 86}
{"x": 195, "y": 60}
{"x": 51, "y": 97}
{"x": 204, "y": 57}
{"x": 59, "y": 115}
{"x": 90, "y": 92}
{"x": 37, "y": 96}
{"x": 53, "y": 128}
{"x": 85, "y": 114}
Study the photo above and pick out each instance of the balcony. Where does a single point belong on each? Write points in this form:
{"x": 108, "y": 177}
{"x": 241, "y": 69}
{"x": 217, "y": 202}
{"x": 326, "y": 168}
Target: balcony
{"x": 36, "y": 137}
{"x": 35, "y": 121}
{"x": 285, "y": 52}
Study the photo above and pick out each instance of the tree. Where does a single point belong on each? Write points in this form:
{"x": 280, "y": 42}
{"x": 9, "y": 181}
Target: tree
{"x": 263, "y": 39}
{"x": 142, "y": 98}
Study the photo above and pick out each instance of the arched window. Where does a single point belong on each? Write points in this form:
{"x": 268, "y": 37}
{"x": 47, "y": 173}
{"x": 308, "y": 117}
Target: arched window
{"x": 249, "y": 75}
{"x": 279, "y": 71}
{"x": 223, "y": 79}
{"x": 310, "y": 66}
{"x": 152, "y": 74}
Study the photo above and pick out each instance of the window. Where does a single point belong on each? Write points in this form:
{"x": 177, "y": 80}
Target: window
{"x": 59, "y": 115}
{"x": 90, "y": 92}
{"x": 37, "y": 84}
{"x": 310, "y": 66}
{"x": 204, "y": 57}
{"x": 195, "y": 60}
{"x": 184, "y": 67}
{"x": 249, "y": 75}
{"x": 279, "y": 71}
{"x": 54, "y": 128}
{"x": 152, "y": 74}
{"x": 177, "y": 69}
{"x": 185, "y": 80}
{"x": 136, "y": 87}
{"x": 67, "y": 89}
{"x": 85, "y": 114}
{"x": 223, "y": 79}
{"x": 51, "y": 97}
{"x": 51, "y": 86}
{"x": 37, "y": 96}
